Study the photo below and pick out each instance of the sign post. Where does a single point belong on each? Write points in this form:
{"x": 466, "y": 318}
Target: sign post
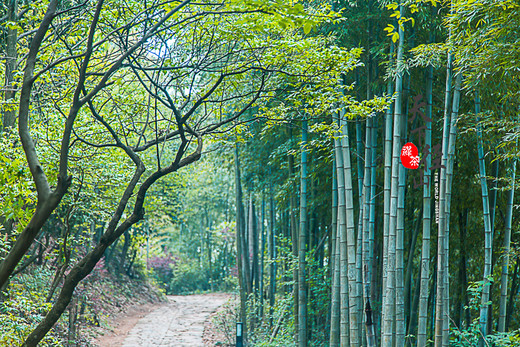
{"x": 240, "y": 341}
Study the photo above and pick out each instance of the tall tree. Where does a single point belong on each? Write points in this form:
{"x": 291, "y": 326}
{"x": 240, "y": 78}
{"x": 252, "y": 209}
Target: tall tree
{"x": 426, "y": 225}
{"x": 253, "y": 245}
{"x": 448, "y": 192}
{"x": 390, "y": 299}
{"x": 294, "y": 243}
{"x": 272, "y": 250}
{"x": 367, "y": 207}
{"x": 386, "y": 196}
{"x": 349, "y": 283}
{"x": 440, "y": 316}
{"x": 242, "y": 258}
{"x": 504, "y": 277}
{"x": 9, "y": 108}
{"x": 488, "y": 240}
{"x": 341, "y": 246}
{"x": 334, "y": 256}
{"x": 262, "y": 256}
{"x": 302, "y": 239}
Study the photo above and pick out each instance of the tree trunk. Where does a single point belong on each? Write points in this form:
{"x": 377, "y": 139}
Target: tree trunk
{"x": 386, "y": 196}
{"x": 302, "y": 287}
{"x": 272, "y": 252}
{"x": 294, "y": 243}
{"x": 493, "y": 193}
{"x": 372, "y": 225}
{"x": 349, "y": 285}
{"x": 9, "y": 112}
{"x": 390, "y": 300}
{"x": 512, "y": 293}
{"x": 507, "y": 249}
{"x": 360, "y": 163}
{"x": 73, "y": 316}
{"x": 488, "y": 239}
{"x": 449, "y": 178}
{"x": 341, "y": 247}
{"x": 408, "y": 279}
{"x": 399, "y": 246}
{"x": 426, "y": 225}
{"x": 253, "y": 230}
{"x": 262, "y": 252}
{"x": 334, "y": 256}
{"x": 440, "y": 316}
{"x": 460, "y": 312}
{"x": 240, "y": 222}
{"x": 359, "y": 160}
{"x": 366, "y": 210}
{"x": 415, "y": 307}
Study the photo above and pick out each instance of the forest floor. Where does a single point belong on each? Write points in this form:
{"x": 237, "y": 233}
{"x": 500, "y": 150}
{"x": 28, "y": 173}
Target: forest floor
{"x": 182, "y": 321}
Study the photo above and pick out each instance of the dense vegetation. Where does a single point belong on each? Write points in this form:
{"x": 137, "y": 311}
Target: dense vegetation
{"x": 260, "y": 146}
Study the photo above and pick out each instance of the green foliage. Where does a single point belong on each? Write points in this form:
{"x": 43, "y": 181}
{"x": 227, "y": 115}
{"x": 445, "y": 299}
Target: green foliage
{"x": 260, "y": 334}
{"x": 470, "y": 336}
{"x": 282, "y": 318}
{"x": 188, "y": 213}
{"x": 17, "y": 198}
{"x": 190, "y": 224}
{"x": 162, "y": 269}
{"x": 396, "y": 13}
{"x": 433, "y": 54}
{"x": 24, "y": 307}
{"x": 319, "y": 283}
{"x": 189, "y": 278}
{"x": 225, "y": 320}
{"x": 485, "y": 38}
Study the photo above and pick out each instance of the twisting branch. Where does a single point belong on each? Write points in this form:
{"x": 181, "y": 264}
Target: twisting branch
{"x": 76, "y": 104}
{"x": 40, "y": 180}
{"x": 47, "y": 201}
{"x": 112, "y": 233}
{"x": 131, "y": 50}
{"x": 212, "y": 127}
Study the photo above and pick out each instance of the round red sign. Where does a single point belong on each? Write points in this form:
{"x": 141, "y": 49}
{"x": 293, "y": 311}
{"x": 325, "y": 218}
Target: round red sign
{"x": 410, "y": 156}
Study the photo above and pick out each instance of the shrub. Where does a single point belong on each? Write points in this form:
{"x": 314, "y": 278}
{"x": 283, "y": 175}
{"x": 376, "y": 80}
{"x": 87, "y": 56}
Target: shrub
{"x": 469, "y": 337}
{"x": 162, "y": 267}
{"x": 188, "y": 277}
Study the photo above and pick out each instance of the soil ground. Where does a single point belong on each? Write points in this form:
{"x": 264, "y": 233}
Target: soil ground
{"x": 179, "y": 322}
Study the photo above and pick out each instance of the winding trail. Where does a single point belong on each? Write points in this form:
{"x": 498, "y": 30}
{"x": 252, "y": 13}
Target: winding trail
{"x": 179, "y": 323}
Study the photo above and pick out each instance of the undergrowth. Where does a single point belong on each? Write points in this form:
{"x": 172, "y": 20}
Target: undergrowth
{"x": 99, "y": 296}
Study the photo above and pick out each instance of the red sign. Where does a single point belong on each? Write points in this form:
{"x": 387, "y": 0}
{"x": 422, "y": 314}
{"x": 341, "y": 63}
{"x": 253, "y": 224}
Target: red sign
{"x": 410, "y": 156}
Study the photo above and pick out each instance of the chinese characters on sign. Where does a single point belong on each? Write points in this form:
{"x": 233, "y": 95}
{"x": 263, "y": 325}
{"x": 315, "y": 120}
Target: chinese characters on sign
{"x": 410, "y": 156}
{"x": 435, "y": 151}
{"x": 421, "y": 136}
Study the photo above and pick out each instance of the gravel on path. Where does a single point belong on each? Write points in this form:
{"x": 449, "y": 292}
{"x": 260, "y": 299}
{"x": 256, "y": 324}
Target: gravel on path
{"x": 179, "y": 323}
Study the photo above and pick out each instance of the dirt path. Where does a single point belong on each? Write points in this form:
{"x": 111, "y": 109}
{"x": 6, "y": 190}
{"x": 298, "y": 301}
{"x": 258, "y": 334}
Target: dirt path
{"x": 179, "y": 323}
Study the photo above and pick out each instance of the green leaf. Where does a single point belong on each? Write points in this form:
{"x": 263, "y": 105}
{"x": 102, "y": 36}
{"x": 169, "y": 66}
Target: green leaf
{"x": 396, "y": 14}
{"x": 389, "y": 28}
{"x": 307, "y": 28}
{"x": 392, "y": 6}
{"x": 298, "y": 7}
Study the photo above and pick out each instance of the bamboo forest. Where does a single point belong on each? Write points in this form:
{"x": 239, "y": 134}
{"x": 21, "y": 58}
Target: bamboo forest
{"x": 259, "y": 173}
